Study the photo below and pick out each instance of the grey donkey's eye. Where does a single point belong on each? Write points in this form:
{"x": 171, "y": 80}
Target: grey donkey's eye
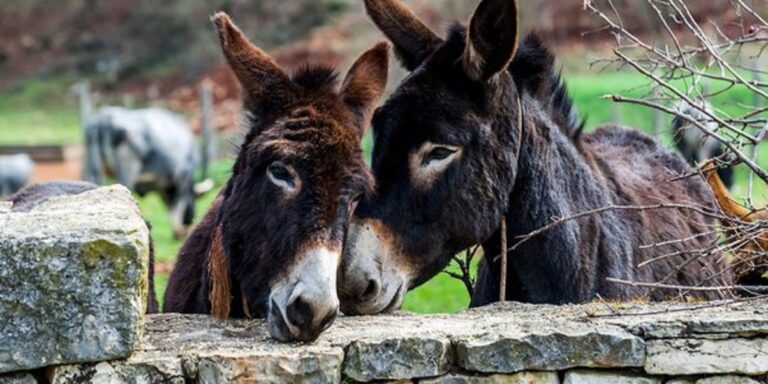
{"x": 282, "y": 176}
{"x": 437, "y": 154}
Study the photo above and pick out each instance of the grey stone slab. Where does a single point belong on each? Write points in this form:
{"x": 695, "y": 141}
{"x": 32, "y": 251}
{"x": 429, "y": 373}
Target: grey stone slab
{"x": 705, "y": 356}
{"x": 73, "y": 277}
{"x": 606, "y": 377}
{"x": 514, "y": 378}
{"x": 397, "y": 358}
{"x": 550, "y": 347}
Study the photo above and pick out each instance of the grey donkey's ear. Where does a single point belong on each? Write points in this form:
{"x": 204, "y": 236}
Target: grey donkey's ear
{"x": 413, "y": 40}
{"x": 260, "y": 77}
{"x": 491, "y": 38}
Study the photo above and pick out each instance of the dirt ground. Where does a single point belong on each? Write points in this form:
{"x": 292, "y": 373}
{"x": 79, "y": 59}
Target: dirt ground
{"x": 46, "y": 171}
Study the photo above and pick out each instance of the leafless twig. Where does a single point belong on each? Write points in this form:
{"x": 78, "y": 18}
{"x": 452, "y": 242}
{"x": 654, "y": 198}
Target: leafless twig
{"x": 753, "y": 288}
{"x": 700, "y": 62}
{"x": 465, "y": 269}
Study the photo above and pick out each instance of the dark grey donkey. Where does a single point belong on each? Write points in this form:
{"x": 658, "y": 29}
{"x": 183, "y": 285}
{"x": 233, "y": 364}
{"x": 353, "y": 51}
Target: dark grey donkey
{"x": 146, "y": 150}
{"x": 482, "y": 132}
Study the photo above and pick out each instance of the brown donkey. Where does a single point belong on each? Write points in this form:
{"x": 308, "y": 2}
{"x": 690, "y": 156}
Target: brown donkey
{"x": 271, "y": 243}
{"x": 473, "y": 136}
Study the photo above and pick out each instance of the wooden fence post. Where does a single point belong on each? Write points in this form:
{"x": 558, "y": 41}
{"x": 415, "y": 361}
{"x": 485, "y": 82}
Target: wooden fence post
{"x": 209, "y": 145}
{"x": 83, "y": 91}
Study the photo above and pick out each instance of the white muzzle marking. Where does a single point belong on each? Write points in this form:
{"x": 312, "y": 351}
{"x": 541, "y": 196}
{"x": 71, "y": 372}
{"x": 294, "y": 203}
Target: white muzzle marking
{"x": 313, "y": 278}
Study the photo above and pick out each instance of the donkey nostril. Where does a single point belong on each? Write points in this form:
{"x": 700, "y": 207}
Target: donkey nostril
{"x": 371, "y": 290}
{"x": 328, "y": 320}
{"x": 299, "y": 313}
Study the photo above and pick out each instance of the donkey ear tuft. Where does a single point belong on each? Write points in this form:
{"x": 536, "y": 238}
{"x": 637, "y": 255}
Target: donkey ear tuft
{"x": 491, "y": 38}
{"x": 366, "y": 82}
{"x": 259, "y": 76}
{"x": 218, "y": 272}
{"x": 413, "y": 40}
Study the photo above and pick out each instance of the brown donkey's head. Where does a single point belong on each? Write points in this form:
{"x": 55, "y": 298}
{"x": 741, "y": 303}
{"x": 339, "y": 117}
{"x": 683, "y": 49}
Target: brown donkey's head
{"x": 285, "y": 211}
{"x": 444, "y": 154}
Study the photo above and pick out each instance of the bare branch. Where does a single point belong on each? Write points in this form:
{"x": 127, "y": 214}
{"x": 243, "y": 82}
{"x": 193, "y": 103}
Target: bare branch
{"x": 752, "y": 288}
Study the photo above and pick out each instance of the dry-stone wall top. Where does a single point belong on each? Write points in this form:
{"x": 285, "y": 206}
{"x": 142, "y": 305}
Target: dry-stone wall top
{"x": 503, "y": 343}
{"x": 72, "y": 280}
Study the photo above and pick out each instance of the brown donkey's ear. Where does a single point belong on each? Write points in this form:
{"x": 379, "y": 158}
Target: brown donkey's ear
{"x": 491, "y": 38}
{"x": 413, "y": 40}
{"x": 366, "y": 81}
{"x": 220, "y": 293}
{"x": 260, "y": 77}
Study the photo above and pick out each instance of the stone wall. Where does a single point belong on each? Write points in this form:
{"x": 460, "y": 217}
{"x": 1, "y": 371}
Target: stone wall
{"x": 504, "y": 343}
{"x": 73, "y": 282}
{"x": 73, "y": 275}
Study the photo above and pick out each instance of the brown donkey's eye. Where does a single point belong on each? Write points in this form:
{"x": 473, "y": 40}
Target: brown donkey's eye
{"x": 281, "y": 176}
{"x": 437, "y": 154}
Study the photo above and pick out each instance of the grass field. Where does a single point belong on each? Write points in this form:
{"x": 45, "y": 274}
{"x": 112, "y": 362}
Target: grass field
{"x": 22, "y": 120}
{"x": 40, "y": 112}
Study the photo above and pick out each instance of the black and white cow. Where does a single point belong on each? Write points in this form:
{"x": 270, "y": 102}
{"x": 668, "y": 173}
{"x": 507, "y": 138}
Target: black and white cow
{"x": 146, "y": 150}
{"x": 694, "y": 144}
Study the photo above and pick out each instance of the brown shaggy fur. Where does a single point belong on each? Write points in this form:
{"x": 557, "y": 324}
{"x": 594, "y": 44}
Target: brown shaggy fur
{"x": 218, "y": 269}
{"x": 254, "y": 230}
{"x": 750, "y": 262}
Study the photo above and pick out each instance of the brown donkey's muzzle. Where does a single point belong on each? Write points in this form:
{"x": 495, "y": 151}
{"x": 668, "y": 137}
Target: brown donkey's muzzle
{"x": 300, "y": 316}
{"x": 304, "y": 303}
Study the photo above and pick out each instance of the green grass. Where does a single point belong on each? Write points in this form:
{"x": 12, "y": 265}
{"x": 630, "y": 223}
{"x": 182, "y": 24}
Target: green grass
{"x": 39, "y": 112}
{"x": 588, "y": 90}
{"x": 154, "y": 210}
{"x": 441, "y": 294}
{"x": 161, "y": 283}
{"x": 39, "y": 127}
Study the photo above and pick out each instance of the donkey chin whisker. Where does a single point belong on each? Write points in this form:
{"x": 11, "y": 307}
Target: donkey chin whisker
{"x": 396, "y": 300}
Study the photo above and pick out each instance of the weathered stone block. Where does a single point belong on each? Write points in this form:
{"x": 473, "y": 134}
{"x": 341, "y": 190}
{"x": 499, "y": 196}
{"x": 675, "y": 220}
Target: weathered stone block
{"x": 255, "y": 367}
{"x": 550, "y": 347}
{"x": 680, "y": 320}
{"x": 139, "y": 368}
{"x": 705, "y": 356}
{"x": 198, "y": 348}
{"x": 515, "y": 378}
{"x": 606, "y": 377}
{"x": 18, "y": 378}
{"x": 211, "y": 366}
{"x": 72, "y": 280}
{"x": 728, "y": 379}
{"x": 681, "y": 381}
{"x": 397, "y": 358}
